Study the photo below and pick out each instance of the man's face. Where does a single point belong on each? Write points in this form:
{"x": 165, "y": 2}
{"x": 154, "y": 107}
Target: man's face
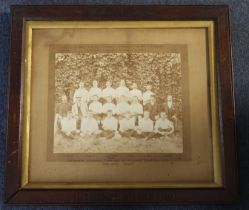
{"x": 95, "y": 83}
{"x": 148, "y": 87}
{"x": 123, "y": 99}
{"x": 95, "y": 98}
{"x": 109, "y": 114}
{"x": 163, "y": 115}
{"x": 127, "y": 115}
{"x": 134, "y": 86}
{"x": 89, "y": 115}
{"x": 135, "y": 100}
{"x": 109, "y": 99}
{"x": 169, "y": 99}
{"x": 81, "y": 85}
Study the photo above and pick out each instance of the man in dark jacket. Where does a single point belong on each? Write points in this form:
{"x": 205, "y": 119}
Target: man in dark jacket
{"x": 170, "y": 111}
{"x": 153, "y": 108}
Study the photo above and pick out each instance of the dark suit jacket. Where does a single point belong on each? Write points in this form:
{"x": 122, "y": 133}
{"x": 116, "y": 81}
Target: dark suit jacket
{"x": 154, "y": 109}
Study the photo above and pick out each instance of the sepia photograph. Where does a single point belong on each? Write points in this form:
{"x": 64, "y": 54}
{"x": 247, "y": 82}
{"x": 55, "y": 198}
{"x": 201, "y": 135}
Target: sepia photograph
{"x": 118, "y": 102}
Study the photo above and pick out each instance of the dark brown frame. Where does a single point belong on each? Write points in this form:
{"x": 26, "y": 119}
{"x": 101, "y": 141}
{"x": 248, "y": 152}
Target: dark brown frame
{"x": 219, "y": 14}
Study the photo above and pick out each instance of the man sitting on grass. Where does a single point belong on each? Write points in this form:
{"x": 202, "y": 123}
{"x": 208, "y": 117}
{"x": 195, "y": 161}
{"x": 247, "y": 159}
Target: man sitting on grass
{"x": 145, "y": 127}
{"x": 109, "y": 126}
{"x": 89, "y": 125}
{"x": 68, "y": 125}
{"x": 127, "y": 126}
{"x": 163, "y": 127}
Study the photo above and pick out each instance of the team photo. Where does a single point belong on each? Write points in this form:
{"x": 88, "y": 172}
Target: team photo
{"x": 122, "y": 112}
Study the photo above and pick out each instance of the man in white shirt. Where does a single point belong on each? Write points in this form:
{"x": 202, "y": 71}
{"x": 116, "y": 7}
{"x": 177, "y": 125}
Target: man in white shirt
{"x": 122, "y": 107}
{"x": 145, "y": 126}
{"x": 135, "y": 92}
{"x": 136, "y": 108}
{"x": 163, "y": 127}
{"x": 122, "y": 90}
{"x": 108, "y": 91}
{"x": 96, "y": 107}
{"x": 82, "y": 93}
{"x": 147, "y": 95}
{"x": 89, "y": 125}
{"x": 127, "y": 126}
{"x": 68, "y": 125}
{"x": 109, "y": 126}
{"x": 109, "y": 105}
{"x": 95, "y": 90}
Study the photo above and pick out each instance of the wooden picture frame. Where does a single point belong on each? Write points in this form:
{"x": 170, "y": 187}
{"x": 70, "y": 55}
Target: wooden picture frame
{"x": 215, "y": 19}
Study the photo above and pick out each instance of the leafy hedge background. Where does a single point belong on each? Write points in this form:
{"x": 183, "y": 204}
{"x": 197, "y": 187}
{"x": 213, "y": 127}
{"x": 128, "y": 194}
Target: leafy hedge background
{"x": 161, "y": 70}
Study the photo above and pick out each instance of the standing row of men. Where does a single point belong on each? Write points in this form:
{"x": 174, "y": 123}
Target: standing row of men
{"x": 123, "y": 112}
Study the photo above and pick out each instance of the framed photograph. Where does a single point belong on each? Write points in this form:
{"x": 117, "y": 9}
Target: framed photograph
{"x": 120, "y": 105}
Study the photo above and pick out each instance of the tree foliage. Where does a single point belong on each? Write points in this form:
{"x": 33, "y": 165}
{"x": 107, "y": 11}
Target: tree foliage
{"x": 161, "y": 70}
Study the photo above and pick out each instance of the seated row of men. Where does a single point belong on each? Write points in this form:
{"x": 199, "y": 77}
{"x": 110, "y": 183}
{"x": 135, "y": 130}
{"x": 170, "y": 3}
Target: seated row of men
{"x": 111, "y": 127}
{"x": 116, "y": 94}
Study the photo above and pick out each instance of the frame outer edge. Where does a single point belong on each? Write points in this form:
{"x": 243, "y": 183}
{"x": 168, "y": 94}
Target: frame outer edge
{"x": 230, "y": 193}
{"x": 11, "y": 183}
{"x": 230, "y": 167}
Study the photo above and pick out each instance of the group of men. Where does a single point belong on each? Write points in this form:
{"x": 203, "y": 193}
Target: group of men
{"x": 115, "y": 112}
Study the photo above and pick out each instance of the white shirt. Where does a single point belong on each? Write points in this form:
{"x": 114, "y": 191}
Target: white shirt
{"x": 96, "y": 107}
{"x": 110, "y": 124}
{"x": 136, "y": 108}
{"x": 95, "y": 91}
{"x": 122, "y": 91}
{"x": 82, "y": 93}
{"x": 68, "y": 125}
{"x": 126, "y": 124}
{"x": 122, "y": 108}
{"x": 109, "y": 106}
{"x": 163, "y": 124}
{"x": 108, "y": 91}
{"x": 170, "y": 104}
{"x": 89, "y": 126}
{"x": 135, "y": 92}
{"x": 147, "y": 96}
{"x": 145, "y": 125}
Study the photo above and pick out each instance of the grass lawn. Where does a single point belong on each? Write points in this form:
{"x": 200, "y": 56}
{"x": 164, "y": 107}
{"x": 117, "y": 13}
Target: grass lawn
{"x": 172, "y": 144}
